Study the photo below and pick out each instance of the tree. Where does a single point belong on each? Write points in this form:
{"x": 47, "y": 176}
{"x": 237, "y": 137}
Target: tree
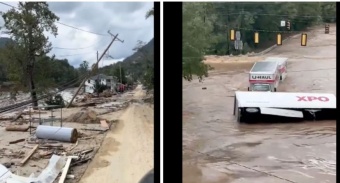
{"x": 119, "y": 73}
{"x": 197, "y": 37}
{"x": 148, "y": 76}
{"x": 83, "y": 67}
{"x": 149, "y": 13}
{"x": 206, "y": 27}
{"x": 26, "y": 26}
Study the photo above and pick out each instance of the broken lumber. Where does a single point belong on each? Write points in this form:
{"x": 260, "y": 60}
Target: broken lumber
{"x": 90, "y": 129}
{"x": 19, "y": 115}
{"x": 22, "y": 162}
{"x": 104, "y": 123}
{"x": 6, "y": 118}
{"x": 16, "y": 141}
{"x": 17, "y": 128}
{"x": 70, "y": 176}
{"x": 81, "y": 161}
{"x": 65, "y": 170}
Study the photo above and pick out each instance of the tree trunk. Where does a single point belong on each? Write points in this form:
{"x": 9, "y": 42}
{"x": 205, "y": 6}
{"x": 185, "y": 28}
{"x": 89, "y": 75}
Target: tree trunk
{"x": 32, "y": 86}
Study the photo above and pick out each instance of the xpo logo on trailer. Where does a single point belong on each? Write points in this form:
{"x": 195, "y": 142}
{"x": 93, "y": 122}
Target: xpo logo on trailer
{"x": 311, "y": 98}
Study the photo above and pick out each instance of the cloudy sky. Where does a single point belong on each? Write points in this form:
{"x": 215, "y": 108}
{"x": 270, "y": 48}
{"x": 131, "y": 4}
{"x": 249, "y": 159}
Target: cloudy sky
{"x": 125, "y": 18}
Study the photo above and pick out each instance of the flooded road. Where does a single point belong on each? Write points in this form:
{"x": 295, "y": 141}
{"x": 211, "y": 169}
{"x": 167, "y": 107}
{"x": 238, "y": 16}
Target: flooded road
{"x": 217, "y": 149}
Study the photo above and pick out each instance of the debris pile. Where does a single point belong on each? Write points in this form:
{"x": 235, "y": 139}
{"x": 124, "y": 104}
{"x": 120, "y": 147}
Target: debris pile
{"x": 84, "y": 116}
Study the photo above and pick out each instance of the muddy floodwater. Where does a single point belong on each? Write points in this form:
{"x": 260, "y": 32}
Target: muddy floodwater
{"x": 217, "y": 149}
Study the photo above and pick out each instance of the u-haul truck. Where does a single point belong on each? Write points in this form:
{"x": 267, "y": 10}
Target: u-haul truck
{"x": 264, "y": 76}
{"x": 282, "y": 63}
{"x": 276, "y": 106}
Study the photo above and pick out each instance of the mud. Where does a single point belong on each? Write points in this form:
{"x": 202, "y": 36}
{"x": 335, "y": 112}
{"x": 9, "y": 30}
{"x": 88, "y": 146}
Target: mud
{"x": 218, "y": 149}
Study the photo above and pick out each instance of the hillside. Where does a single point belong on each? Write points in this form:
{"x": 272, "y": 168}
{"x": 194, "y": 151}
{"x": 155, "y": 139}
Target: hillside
{"x": 135, "y": 64}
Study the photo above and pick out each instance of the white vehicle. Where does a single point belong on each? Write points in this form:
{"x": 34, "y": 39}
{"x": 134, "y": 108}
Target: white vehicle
{"x": 261, "y": 106}
{"x": 264, "y": 76}
{"x": 282, "y": 61}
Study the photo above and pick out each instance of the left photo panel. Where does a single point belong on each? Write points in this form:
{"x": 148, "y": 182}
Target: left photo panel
{"x": 78, "y": 90}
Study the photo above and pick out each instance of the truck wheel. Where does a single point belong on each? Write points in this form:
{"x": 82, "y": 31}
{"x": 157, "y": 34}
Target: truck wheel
{"x": 280, "y": 78}
{"x": 248, "y": 88}
{"x": 274, "y": 89}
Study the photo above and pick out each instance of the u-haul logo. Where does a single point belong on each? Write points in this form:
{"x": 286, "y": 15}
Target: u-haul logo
{"x": 261, "y": 77}
{"x": 311, "y": 98}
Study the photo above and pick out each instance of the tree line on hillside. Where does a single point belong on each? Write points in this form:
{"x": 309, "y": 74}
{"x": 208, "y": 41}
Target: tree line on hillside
{"x": 24, "y": 60}
{"x": 206, "y": 27}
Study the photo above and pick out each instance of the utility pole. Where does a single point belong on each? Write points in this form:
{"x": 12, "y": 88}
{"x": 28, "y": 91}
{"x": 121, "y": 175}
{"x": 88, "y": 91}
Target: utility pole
{"x": 96, "y": 65}
{"x": 120, "y": 65}
{"x": 120, "y": 73}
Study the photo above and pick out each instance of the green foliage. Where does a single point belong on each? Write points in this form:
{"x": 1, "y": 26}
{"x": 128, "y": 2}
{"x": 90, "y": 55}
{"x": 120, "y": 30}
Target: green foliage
{"x": 149, "y": 13}
{"x": 27, "y": 27}
{"x": 137, "y": 67}
{"x": 99, "y": 87}
{"x": 197, "y": 38}
{"x": 206, "y": 27}
{"x": 83, "y": 68}
{"x": 55, "y": 100}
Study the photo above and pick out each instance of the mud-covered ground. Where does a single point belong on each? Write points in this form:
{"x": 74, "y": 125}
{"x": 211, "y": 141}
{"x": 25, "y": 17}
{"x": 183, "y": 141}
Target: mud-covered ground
{"x": 218, "y": 149}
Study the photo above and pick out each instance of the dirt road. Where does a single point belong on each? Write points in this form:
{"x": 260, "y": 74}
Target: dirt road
{"x": 127, "y": 153}
{"x": 218, "y": 149}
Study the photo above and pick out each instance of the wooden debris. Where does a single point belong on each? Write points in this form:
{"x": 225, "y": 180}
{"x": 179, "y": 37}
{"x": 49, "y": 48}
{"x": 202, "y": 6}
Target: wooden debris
{"x": 86, "y": 104}
{"x": 92, "y": 129}
{"x": 16, "y": 141}
{"x": 17, "y": 128}
{"x": 81, "y": 161}
{"x": 70, "y": 176}
{"x": 6, "y": 118}
{"x": 29, "y": 155}
{"x": 18, "y": 116}
{"x": 65, "y": 170}
{"x": 104, "y": 123}
{"x": 73, "y": 146}
{"x": 51, "y": 145}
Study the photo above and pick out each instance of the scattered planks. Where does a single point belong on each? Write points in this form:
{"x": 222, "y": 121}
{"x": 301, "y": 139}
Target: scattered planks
{"x": 92, "y": 129}
{"x": 16, "y": 141}
{"x": 29, "y": 155}
{"x": 21, "y": 128}
{"x": 65, "y": 170}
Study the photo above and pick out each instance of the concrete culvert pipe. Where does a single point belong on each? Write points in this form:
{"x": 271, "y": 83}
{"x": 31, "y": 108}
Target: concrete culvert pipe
{"x": 57, "y": 133}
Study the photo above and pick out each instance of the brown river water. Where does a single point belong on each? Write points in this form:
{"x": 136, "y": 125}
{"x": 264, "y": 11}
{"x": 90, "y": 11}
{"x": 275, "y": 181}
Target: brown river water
{"x": 217, "y": 149}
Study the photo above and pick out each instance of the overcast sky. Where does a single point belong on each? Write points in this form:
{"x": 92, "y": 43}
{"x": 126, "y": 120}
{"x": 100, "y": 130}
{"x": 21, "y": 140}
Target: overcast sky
{"x": 125, "y": 18}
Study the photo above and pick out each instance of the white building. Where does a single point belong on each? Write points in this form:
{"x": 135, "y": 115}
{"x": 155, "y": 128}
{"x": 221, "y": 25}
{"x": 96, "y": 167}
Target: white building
{"x": 103, "y": 79}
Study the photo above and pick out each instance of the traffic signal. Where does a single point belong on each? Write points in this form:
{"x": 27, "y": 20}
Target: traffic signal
{"x": 288, "y": 25}
{"x": 256, "y": 38}
{"x": 303, "y": 39}
{"x": 232, "y": 35}
{"x": 279, "y": 39}
{"x": 327, "y": 29}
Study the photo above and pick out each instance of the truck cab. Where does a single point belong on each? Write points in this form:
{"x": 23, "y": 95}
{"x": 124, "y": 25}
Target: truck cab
{"x": 264, "y": 76}
{"x": 261, "y": 87}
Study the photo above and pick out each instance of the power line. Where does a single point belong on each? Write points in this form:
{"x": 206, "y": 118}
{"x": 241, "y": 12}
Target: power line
{"x": 29, "y": 102}
{"x": 63, "y": 23}
{"x": 279, "y": 15}
{"x": 87, "y": 53}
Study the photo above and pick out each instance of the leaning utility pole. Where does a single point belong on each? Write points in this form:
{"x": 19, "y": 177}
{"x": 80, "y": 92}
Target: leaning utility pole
{"x": 95, "y": 66}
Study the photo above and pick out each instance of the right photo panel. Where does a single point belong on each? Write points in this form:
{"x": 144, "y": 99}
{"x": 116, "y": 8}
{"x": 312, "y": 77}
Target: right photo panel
{"x": 259, "y": 92}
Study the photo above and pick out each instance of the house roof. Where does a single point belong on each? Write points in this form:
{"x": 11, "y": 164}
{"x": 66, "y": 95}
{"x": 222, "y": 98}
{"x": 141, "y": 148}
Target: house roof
{"x": 101, "y": 76}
